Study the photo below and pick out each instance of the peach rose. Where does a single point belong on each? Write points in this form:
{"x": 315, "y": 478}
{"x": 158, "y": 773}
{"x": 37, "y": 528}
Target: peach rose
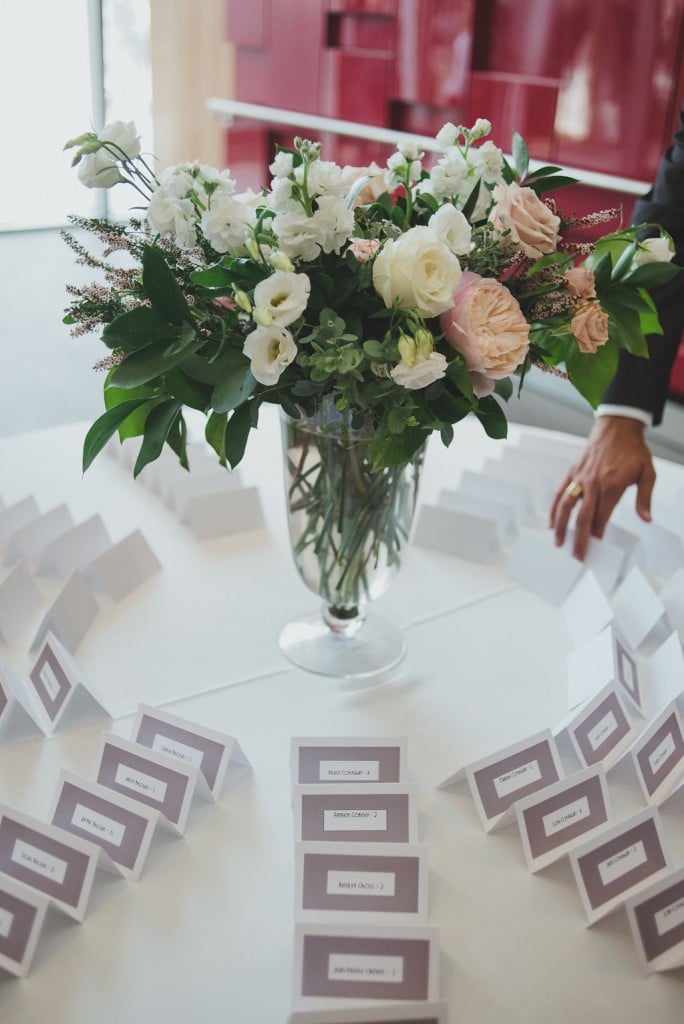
{"x": 487, "y": 326}
{"x": 533, "y": 227}
{"x": 581, "y": 282}
{"x": 364, "y": 249}
{"x": 590, "y": 327}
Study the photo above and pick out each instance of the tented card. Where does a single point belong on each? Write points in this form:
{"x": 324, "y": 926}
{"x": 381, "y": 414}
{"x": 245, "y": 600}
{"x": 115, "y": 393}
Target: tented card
{"x": 662, "y": 675}
{"x": 672, "y": 596}
{"x": 58, "y": 865}
{"x": 658, "y": 756}
{"x": 339, "y": 962}
{"x": 602, "y": 730}
{"x": 619, "y": 862}
{"x": 499, "y": 780}
{"x": 20, "y": 602}
{"x": 124, "y": 566}
{"x": 15, "y": 516}
{"x": 457, "y": 533}
{"x": 348, "y": 759}
{"x": 601, "y": 661}
{"x": 547, "y": 571}
{"x": 75, "y": 548}
{"x": 500, "y": 513}
{"x": 55, "y": 682}
{"x": 538, "y": 487}
{"x": 517, "y": 496}
{"x": 121, "y": 826}
{"x": 637, "y": 608}
{"x": 29, "y": 541}
{"x": 18, "y": 718}
{"x": 218, "y": 513}
{"x": 212, "y": 479}
{"x": 423, "y": 1012}
{"x": 373, "y": 882}
{"x": 22, "y": 912}
{"x": 605, "y": 560}
{"x": 586, "y": 610}
{"x": 209, "y": 751}
{"x": 656, "y": 918}
{"x": 358, "y": 813}
{"x": 560, "y": 817}
{"x": 71, "y": 613}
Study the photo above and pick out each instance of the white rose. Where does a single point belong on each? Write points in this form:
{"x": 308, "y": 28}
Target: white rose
{"x": 284, "y": 295}
{"x": 227, "y": 221}
{"x": 334, "y": 222}
{"x": 452, "y": 227}
{"x": 417, "y": 271}
{"x": 418, "y": 374}
{"x": 270, "y": 350}
{"x": 297, "y": 235}
{"x": 654, "y": 250}
{"x": 120, "y": 141}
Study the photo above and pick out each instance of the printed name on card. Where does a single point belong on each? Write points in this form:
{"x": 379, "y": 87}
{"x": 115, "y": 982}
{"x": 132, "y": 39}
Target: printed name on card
{"x": 656, "y": 919}
{"x": 210, "y": 751}
{"x": 60, "y": 866}
{"x": 362, "y": 813}
{"x": 344, "y": 962}
{"x": 619, "y": 862}
{"x": 348, "y": 759}
{"x": 374, "y": 882}
{"x": 22, "y": 912}
{"x": 602, "y": 730}
{"x": 427, "y": 1012}
{"x": 56, "y": 685}
{"x": 562, "y": 816}
{"x": 658, "y": 756}
{"x": 121, "y": 826}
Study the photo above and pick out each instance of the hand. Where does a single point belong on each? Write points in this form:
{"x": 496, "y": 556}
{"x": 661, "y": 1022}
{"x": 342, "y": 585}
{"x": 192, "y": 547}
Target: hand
{"x": 616, "y": 456}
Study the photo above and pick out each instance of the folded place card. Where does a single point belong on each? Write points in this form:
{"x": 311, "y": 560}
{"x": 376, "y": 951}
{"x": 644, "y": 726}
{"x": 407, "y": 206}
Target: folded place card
{"x": 58, "y": 688}
{"x": 460, "y": 534}
{"x": 75, "y": 548}
{"x": 656, "y": 918}
{"x": 637, "y": 608}
{"x": 499, "y": 780}
{"x": 547, "y": 571}
{"x": 599, "y": 662}
{"x": 58, "y": 865}
{"x": 70, "y": 615}
{"x": 537, "y": 487}
{"x": 361, "y": 813}
{"x": 205, "y": 749}
{"x": 658, "y": 756}
{"x": 373, "y": 882}
{"x": 625, "y": 539}
{"x": 20, "y": 602}
{"x": 560, "y": 817}
{"x": 420, "y": 1013}
{"x": 344, "y": 962}
{"x": 586, "y": 610}
{"x": 619, "y": 862}
{"x": 602, "y": 730}
{"x": 18, "y": 720}
{"x": 662, "y": 675}
{"x": 15, "y": 516}
{"x": 605, "y": 560}
{"x": 120, "y": 826}
{"x": 348, "y": 759}
{"x": 660, "y": 549}
{"x": 565, "y": 449}
{"x": 30, "y": 539}
{"x": 672, "y": 596}
{"x": 212, "y": 480}
{"x": 125, "y": 566}
{"x": 517, "y": 496}
{"x": 219, "y": 513}
{"x": 22, "y": 912}
{"x": 157, "y": 780}
{"x": 498, "y": 512}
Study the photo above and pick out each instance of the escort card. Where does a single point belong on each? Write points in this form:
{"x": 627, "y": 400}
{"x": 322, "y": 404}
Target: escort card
{"x": 423, "y": 1013}
{"x": 602, "y": 731}
{"x": 56, "y": 684}
{"x": 663, "y": 675}
{"x": 547, "y": 571}
{"x": 656, "y": 918}
{"x": 218, "y": 513}
{"x": 342, "y": 962}
{"x": 499, "y": 780}
{"x": 20, "y": 602}
{"x": 17, "y": 715}
{"x": 586, "y": 610}
{"x": 210, "y": 480}
{"x": 361, "y": 813}
{"x": 606, "y": 561}
{"x": 29, "y": 540}
{"x": 374, "y": 882}
{"x": 58, "y": 865}
{"x": 209, "y": 751}
{"x": 658, "y": 756}
{"x": 498, "y": 511}
{"x": 637, "y": 608}
{"x": 456, "y": 533}
{"x": 672, "y": 596}
{"x": 75, "y": 548}
{"x": 560, "y": 817}
{"x": 537, "y": 488}
{"x": 124, "y": 567}
{"x": 621, "y": 861}
{"x": 157, "y": 780}
{"x": 22, "y": 912}
{"x": 70, "y": 615}
{"x": 599, "y": 662}
{"x": 517, "y": 496}
{"x": 121, "y": 826}
{"x": 15, "y": 516}
{"x": 348, "y": 759}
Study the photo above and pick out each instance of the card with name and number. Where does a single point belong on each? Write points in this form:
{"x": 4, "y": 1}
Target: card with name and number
{"x": 426, "y": 1012}
{"x": 348, "y": 759}
{"x": 157, "y": 780}
{"x": 58, "y": 688}
{"x": 656, "y": 919}
{"x": 58, "y": 865}
{"x": 361, "y": 813}
{"x": 560, "y": 817}
{"x": 497, "y": 781}
{"x": 601, "y": 731}
{"x": 658, "y": 756}
{"x": 205, "y": 749}
{"x": 374, "y": 882}
{"x": 619, "y": 862}
{"x": 121, "y": 826}
{"x": 637, "y": 608}
{"x": 339, "y": 962}
{"x": 601, "y": 660}
{"x": 22, "y": 912}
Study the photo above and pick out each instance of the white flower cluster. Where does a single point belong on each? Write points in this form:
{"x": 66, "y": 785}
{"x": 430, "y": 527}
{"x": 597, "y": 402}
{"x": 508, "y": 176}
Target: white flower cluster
{"x": 464, "y": 167}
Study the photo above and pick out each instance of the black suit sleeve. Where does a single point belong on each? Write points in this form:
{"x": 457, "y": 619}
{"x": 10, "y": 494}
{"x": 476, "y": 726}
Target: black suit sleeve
{"x": 643, "y": 383}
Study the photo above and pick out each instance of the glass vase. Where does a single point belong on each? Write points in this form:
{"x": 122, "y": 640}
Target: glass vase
{"x": 349, "y": 525}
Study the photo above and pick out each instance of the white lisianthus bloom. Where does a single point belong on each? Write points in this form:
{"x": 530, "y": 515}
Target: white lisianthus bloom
{"x": 420, "y": 372}
{"x": 488, "y": 161}
{"x": 452, "y": 227}
{"x": 119, "y": 140}
{"x": 417, "y": 271}
{"x": 270, "y": 350}
{"x": 654, "y": 250}
{"x": 282, "y": 165}
{"x": 447, "y": 135}
{"x": 173, "y": 215}
{"x": 227, "y": 222}
{"x": 284, "y": 295}
{"x": 448, "y": 175}
{"x": 335, "y": 223}
{"x": 297, "y": 235}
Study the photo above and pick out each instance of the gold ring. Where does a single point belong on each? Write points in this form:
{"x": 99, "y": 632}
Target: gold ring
{"x": 574, "y": 489}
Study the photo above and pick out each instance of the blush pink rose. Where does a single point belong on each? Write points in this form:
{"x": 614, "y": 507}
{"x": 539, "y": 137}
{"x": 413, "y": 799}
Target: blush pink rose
{"x": 590, "y": 327}
{"x": 364, "y": 248}
{"x": 487, "y": 326}
{"x": 532, "y": 226}
{"x": 580, "y": 282}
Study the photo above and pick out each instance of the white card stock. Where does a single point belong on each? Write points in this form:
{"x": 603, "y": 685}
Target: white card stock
{"x": 74, "y": 549}
{"x": 22, "y": 912}
{"x": 637, "y": 608}
{"x": 605, "y": 560}
{"x": 658, "y": 756}
{"x": 348, "y": 759}
{"x": 586, "y": 610}
{"x": 15, "y": 516}
{"x": 536, "y": 487}
{"x": 219, "y": 513}
{"x": 516, "y": 496}
{"x": 602, "y": 730}
{"x": 357, "y": 813}
{"x": 662, "y": 675}
{"x": 212, "y": 480}
{"x": 656, "y": 918}
{"x": 20, "y": 602}
{"x": 538, "y": 566}
{"x": 17, "y": 716}
{"x": 58, "y": 688}
{"x": 461, "y": 534}
{"x": 496, "y": 511}
{"x": 420, "y": 1013}
{"x": 125, "y": 566}
{"x": 29, "y": 541}
{"x": 672, "y": 596}
{"x": 70, "y": 615}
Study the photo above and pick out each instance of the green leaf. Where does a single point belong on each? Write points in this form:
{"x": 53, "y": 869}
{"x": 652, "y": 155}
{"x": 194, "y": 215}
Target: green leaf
{"x": 187, "y": 390}
{"x": 624, "y": 327}
{"x": 157, "y": 428}
{"x": 543, "y": 172}
{"x": 134, "y": 424}
{"x": 492, "y": 417}
{"x": 521, "y": 156}
{"x": 214, "y": 278}
{"x": 153, "y": 360}
{"x": 215, "y": 433}
{"x": 237, "y": 432}
{"x": 591, "y": 374}
{"x": 551, "y": 183}
{"x": 104, "y": 427}
{"x": 392, "y": 451}
{"x": 504, "y": 388}
{"x": 162, "y": 288}
{"x": 234, "y": 382}
{"x": 652, "y": 275}
{"x": 177, "y": 440}
{"x": 136, "y": 328}
{"x": 457, "y": 372}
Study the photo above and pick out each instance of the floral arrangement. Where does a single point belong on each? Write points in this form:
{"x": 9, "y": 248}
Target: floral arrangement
{"x": 410, "y": 295}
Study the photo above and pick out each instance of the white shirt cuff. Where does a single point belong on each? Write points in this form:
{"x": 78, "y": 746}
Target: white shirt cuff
{"x": 630, "y": 412}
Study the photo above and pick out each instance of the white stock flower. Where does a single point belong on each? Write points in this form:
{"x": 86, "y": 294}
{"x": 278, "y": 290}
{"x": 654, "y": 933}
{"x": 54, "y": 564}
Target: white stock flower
{"x": 421, "y": 372}
{"x": 280, "y": 196}
{"x": 226, "y": 223}
{"x": 447, "y": 135}
{"x": 335, "y": 223}
{"x": 410, "y": 150}
{"x": 417, "y": 271}
{"x": 100, "y": 169}
{"x": 324, "y": 178}
{"x": 172, "y": 215}
{"x": 284, "y": 295}
{"x": 282, "y": 165}
{"x": 488, "y": 161}
{"x": 297, "y": 235}
{"x": 452, "y": 227}
{"x": 448, "y": 175}
{"x": 270, "y": 350}
{"x": 654, "y": 250}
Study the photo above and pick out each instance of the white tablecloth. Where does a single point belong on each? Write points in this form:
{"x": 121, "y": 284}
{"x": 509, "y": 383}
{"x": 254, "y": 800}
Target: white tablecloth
{"x": 206, "y": 934}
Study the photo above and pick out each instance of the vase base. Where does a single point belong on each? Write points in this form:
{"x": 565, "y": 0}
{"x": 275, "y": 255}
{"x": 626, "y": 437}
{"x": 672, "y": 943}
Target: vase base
{"x": 310, "y": 644}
